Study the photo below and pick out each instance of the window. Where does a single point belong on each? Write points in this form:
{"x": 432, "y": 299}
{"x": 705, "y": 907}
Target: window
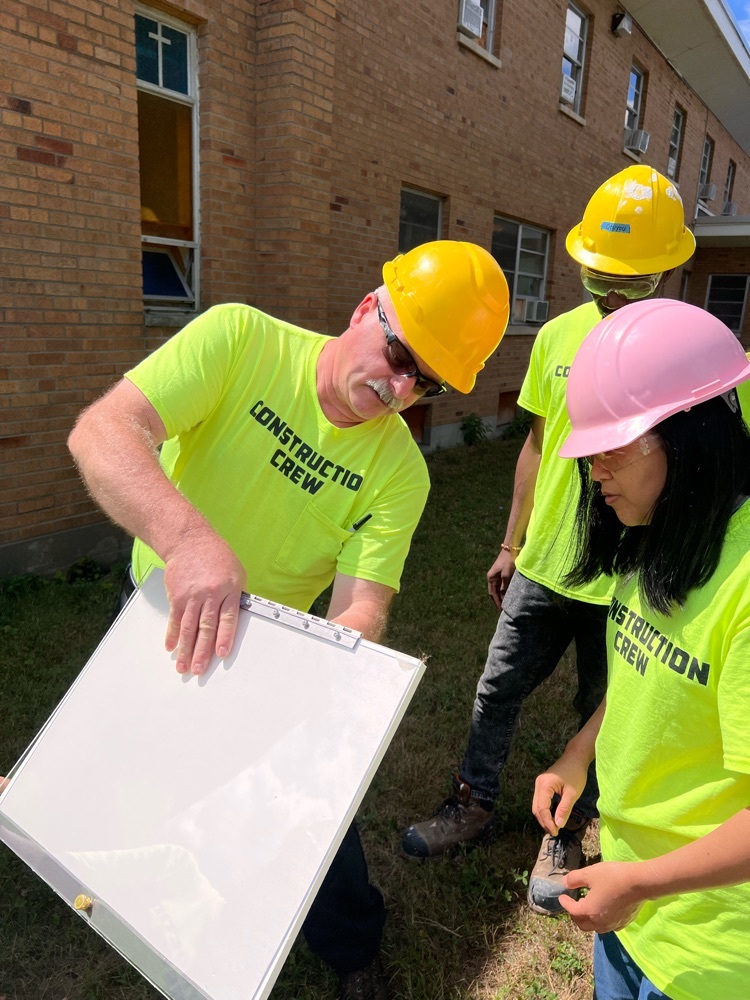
{"x": 726, "y": 298}
{"x": 476, "y": 19}
{"x": 635, "y": 99}
{"x": 706, "y": 190}
{"x": 522, "y": 252}
{"x": 706, "y": 161}
{"x": 675, "y": 144}
{"x": 165, "y": 61}
{"x": 574, "y": 53}
{"x": 729, "y": 188}
{"x": 420, "y": 220}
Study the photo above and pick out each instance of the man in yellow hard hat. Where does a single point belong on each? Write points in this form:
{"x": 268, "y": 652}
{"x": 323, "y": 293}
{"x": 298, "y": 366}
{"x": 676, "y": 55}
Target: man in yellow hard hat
{"x": 285, "y": 467}
{"x": 631, "y": 237}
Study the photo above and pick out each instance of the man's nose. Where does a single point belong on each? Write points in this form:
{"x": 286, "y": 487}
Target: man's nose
{"x": 402, "y": 385}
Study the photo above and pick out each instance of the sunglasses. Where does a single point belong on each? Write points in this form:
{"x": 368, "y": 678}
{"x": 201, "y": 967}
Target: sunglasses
{"x": 402, "y": 363}
{"x": 620, "y": 458}
{"x": 640, "y": 286}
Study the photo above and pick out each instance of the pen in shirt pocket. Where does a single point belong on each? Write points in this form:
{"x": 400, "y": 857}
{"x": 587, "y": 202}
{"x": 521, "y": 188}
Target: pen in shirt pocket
{"x": 358, "y": 524}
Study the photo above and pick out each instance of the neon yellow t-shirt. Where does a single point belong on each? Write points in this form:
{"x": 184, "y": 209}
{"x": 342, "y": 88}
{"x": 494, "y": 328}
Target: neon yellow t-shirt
{"x": 673, "y": 761}
{"x": 550, "y": 538}
{"x": 251, "y": 449}
{"x": 743, "y": 395}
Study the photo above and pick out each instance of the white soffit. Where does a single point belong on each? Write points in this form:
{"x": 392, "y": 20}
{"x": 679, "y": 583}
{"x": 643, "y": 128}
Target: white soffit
{"x": 700, "y": 38}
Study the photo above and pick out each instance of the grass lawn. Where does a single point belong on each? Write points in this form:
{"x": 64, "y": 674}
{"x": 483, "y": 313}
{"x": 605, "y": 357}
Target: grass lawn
{"x": 458, "y": 929}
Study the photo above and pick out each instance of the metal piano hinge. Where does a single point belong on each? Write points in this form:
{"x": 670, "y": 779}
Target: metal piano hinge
{"x": 339, "y": 635}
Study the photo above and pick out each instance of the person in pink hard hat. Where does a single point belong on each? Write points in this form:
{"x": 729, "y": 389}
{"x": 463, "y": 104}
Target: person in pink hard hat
{"x": 664, "y": 461}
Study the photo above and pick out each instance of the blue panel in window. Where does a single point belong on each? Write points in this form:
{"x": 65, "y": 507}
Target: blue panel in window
{"x": 146, "y": 50}
{"x": 175, "y": 62}
{"x": 160, "y": 276}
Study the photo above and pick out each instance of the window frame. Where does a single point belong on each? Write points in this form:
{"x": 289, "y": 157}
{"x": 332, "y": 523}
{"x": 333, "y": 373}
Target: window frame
{"x": 722, "y": 316}
{"x": 159, "y": 244}
{"x": 674, "y": 174}
{"x": 427, "y": 195}
{"x": 636, "y": 107}
{"x": 729, "y": 185}
{"x": 579, "y": 63}
{"x": 518, "y": 298}
{"x": 489, "y": 18}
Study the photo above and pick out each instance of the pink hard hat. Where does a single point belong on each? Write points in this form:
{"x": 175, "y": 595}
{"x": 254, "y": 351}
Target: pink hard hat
{"x": 643, "y": 363}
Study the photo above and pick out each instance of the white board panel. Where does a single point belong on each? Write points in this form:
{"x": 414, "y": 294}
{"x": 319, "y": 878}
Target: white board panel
{"x": 201, "y": 813}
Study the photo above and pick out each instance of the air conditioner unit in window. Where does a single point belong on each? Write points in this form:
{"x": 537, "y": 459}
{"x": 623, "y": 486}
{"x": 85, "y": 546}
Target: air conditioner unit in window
{"x": 707, "y": 192}
{"x": 535, "y": 311}
{"x": 470, "y": 18}
{"x": 730, "y": 208}
{"x": 636, "y": 140}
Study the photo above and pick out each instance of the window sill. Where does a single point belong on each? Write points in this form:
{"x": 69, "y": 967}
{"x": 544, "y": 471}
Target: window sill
{"x": 523, "y": 329}
{"x": 636, "y": 157}
{"x": 571, "y": 114}
{"x": 478, "y": 50}
{"x": 176, "y": 318}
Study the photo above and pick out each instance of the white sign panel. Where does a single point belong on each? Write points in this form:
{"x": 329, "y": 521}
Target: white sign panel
{"x": 194, "y": 818}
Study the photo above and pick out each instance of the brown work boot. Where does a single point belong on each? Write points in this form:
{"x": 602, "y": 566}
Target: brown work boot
{"x": 557, "y": 856}
{"x": 369, "y": 983}
{"x": 460, "y": 819}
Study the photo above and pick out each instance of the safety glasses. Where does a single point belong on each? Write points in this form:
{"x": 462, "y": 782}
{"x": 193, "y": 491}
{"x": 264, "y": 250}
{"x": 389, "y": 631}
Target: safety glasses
{"x": 620, "y": 458}
{"x": 640, "y": 286}
{"x": 402, "y": 363}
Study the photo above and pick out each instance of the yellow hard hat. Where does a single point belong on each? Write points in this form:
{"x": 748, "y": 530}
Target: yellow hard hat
{"x": 452, "y": 302}
{"x": 633, "y": 224}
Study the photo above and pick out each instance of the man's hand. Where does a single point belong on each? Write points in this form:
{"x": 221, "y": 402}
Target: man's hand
{"x": 612, "y": 901}
{"x": 567, "y": 779}
{"x": 204, "y": 581}
{"x": 499, "y": 576}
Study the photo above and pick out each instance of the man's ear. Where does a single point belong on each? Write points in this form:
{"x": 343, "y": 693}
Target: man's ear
{"x": 363, "y": 309}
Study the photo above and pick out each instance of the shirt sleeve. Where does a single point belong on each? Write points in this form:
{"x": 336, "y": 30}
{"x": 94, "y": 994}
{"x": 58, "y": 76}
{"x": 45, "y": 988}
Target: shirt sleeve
{"x": 184, "y": 379}
{"x": 534, "y": 394}
{"x": 734, "y": 701}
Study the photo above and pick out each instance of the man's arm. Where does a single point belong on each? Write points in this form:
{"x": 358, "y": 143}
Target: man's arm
{"x": 361, "y": 605}
{"x": 114, "y": 444}
{"x": 527, "y": 469}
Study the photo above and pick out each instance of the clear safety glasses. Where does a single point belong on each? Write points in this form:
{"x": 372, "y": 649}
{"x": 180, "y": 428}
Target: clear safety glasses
{"x": 640, "y": 286}
{"x": 620, "y": 458}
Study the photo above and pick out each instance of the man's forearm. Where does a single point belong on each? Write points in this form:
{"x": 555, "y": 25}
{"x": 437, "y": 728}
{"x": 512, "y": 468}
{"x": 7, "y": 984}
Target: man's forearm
{"x": 119, "y": 463}
{"x": 524, "y": 484}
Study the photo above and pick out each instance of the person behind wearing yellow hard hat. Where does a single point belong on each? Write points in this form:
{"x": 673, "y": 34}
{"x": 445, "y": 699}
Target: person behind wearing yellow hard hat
{"x": 285, "y": 467}
{"x": 631, "y": 237}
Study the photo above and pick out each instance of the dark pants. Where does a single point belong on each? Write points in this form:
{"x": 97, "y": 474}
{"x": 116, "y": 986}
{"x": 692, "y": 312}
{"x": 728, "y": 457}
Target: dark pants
{"x": 345, "y": 924}
{"x": 535, "y": 628}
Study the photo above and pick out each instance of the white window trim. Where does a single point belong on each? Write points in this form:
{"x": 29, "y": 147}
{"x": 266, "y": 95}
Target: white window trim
{"x": 635, "y": 108}
{"x": 581, "y": 67}
{"x": 676, "y": 146}
{"x": 191, "y": 99}
{"x": 521, "y": 326}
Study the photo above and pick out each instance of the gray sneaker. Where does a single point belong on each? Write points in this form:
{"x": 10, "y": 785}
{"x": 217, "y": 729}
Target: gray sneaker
{"x": 557, "y": 856}
{"x": 460, "y": 819}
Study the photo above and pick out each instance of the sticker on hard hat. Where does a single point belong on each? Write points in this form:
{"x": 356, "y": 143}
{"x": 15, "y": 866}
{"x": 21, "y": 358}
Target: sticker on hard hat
{"x": 616, "y": 227}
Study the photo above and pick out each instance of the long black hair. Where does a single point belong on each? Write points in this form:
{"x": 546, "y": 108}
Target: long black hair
{"x": 708, "y": 469}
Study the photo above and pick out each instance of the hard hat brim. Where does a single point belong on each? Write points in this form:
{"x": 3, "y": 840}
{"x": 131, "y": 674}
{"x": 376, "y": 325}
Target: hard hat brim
{"x": 630, "y": 268}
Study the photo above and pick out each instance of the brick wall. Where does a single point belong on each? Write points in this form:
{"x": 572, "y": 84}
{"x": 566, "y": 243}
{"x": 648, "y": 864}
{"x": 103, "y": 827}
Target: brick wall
{"x": 312, "y": 117}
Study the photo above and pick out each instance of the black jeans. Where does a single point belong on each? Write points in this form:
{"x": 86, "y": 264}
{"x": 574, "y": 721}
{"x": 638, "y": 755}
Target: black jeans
{"x": 345, "y": 924}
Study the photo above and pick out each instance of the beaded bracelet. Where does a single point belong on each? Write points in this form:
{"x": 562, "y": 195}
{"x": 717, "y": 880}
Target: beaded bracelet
{"x": 510, "y": 548}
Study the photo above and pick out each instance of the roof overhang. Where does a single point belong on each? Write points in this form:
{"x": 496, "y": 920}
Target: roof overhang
{"x": 722, "y": 231}
{"x": 701, "y": 40}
